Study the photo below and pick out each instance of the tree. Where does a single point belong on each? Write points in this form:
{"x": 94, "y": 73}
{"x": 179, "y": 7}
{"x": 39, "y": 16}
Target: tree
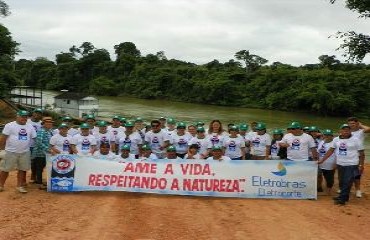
{"x": 8, "y": 47}
{"x": 328, "y": 61}
{"x": 128, "y": 48}
{"x": 4, "y": 9}
{"x": 252, "y": 62}
{"x": 86, "y": 48}
{"x": 355, "y": 45}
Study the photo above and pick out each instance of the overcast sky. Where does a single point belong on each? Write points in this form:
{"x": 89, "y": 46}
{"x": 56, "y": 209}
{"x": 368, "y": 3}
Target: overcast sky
{"x": 290, "y": 31}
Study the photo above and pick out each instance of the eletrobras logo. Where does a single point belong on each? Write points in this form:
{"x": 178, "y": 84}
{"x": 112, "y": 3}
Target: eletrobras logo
{"x": 281, "y": 170}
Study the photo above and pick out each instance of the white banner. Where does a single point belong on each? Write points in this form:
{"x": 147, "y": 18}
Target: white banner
{"x": 243, "y": 179}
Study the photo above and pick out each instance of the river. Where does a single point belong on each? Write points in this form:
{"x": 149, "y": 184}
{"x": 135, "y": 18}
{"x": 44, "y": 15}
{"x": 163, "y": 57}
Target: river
{"x": 190, "y": 112}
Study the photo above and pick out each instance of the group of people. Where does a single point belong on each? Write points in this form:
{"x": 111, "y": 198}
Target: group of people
{"x": 28, "y": 140}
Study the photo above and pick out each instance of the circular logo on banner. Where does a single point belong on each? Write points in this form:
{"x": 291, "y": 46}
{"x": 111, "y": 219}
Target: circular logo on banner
{"x": 63, "y": 164}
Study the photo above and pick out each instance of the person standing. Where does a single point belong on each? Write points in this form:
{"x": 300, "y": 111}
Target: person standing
{"x": 260, "y": 143}
{"x": 298, "y": 144}
{"x": 234, "y": 145}
{"x": 35, "y": 121}
{"x": 181, "y": 139}
{"x": 204, "y": 144}
{"x": 358, "y": 130}
{"x": 60, "y": 143}
{"x": 84, "y": 143}
{"x": 217, "y": 155}
{"x": 349, "y": 152}
{"x": 42, "y": 147}
{"x": 326, "y": 169}
{"x": 130, "y": 138}
{"x": 16, "y": 139}
{"x": 158, "y": 139}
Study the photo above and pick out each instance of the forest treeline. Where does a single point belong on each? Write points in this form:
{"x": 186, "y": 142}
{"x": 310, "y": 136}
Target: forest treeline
{"x": 328, "y": 87}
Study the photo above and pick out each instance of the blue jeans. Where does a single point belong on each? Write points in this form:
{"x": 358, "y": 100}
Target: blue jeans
{"x": 347, "y": 176}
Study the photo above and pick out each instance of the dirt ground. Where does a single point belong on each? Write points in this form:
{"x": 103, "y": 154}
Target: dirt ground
{"x": 109, "y": 215}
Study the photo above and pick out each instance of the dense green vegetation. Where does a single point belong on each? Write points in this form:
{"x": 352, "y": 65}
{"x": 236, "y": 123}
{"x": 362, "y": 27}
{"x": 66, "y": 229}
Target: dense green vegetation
{"x": 327, "y": 87}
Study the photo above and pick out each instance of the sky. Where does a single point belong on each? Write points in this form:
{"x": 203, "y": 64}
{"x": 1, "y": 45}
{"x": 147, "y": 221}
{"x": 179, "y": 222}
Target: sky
{"x": 289, "y": 31}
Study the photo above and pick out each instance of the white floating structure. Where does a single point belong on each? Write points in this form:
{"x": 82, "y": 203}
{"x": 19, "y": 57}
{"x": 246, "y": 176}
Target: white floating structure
{"x": 76, "y": 104}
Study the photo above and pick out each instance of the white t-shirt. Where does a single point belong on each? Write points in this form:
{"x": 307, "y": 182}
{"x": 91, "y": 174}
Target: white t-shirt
{"x": 63, "y": 144}
{"x": 19, "y": 137}
{"x": 322, "y": 149}
{"x": 83, "y": 143}
{"x": 37, "y": 126}
{"x": 156, "y": 140}
{"x": 103, "y": 137}
{"x": 116, "y": 130}
{"x": 298, "y": 146}
{"x": 233, "y": 147}
{"x": 204, "y": 144}
{"x": 133, "y": 140}
{"x": 275, "y": 150}
{"x": 346, "y": 150}
{"x": 110, "y": 156}
{"x": 216, "y": 139}
{"x": 359, "y": 134}
{"x": 224, "y": 159}
{"x": 258, "y": 143}
{"x": 181, "y": 142}
{"x": 177, "y": 158}
{"x": 71, "y": 131}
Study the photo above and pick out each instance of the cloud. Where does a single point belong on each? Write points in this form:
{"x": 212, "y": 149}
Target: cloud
{"x": 293, "y": 32}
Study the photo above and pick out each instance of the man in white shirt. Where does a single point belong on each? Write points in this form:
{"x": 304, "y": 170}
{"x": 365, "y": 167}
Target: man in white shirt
{"x": 203, "y": 143}
{"x": 358, "y": 130}
{"x": 35, "y": 121}
{"x": 260, "y": 143}
{"x": 116, "y": 127}
{"x": 130, "y": 138}
{"x": 217, "y": 155}
{"x": 171, "y": 154}
{"x": 103, "y": 135}
{"x": 147, "y": 153}
{"x": 60, "y": 143}
{"x": 125, "y": 154}
{"x": 84, "y": 143}
{"x": 298, "y": 144}
{"x": 158, "y": 139}
{"x": 104, "y": 152}
{"x": 16, "y": 139}
{"x": 349, "y": 152}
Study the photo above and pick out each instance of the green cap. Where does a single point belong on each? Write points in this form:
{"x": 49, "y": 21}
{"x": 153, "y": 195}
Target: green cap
{"x": 260, "y": 126}
{"x": 129, "y": 124}
{"x": 63, "y": 125}
{"x": 314, "y": 129}
{"x": 138, "y": 119}
{"x": 294, "y": 125}
{"x": 216, "y": 148}
{"x": 125, "y": 147}
{"x": 102, "y": 124}
{"x": 181, "y": 125}
{"x": 327, "y": 132}
{"x": 199, "y": 123}
{"x": 344, "y": 126}
{"x": 306, "y": 128}
{"x": 116, "y": 117}
{"x": 162, "y": 118}
{"x": 84, "y": 126}
{"x": 146, "y": 147}
{"x": 200, "y": 129}
{"x": 89, "y": 116}
{"x": 22, "y": 113}
{"x": 122, "y": 119}
{"x": 66, "y": 118}
{"x": 171, "y": 149}
{"x": 233, "y": 128}
{"x": 171, "y": 121}
{"x": 278, "y": 132}
{"x": 39, "y": 110}
{"x": 243, "y": 127}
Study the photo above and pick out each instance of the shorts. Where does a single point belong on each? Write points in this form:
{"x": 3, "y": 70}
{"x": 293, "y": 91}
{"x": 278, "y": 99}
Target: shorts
{"x": 16, "y": 161}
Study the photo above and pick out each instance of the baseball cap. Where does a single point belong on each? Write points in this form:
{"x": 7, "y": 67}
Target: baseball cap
{"x": 102, "y": 124}
{"x": 22, "y": 113}
{"x": 89, "y": 116}
{"x": 125, "y": 147}
{"x": 243, "y": 127}
{"x": 39, "y": 110}
{"x": 63, "y": 125}
{"x": 138, "y": 119}
{"x": 313, "y": 129}
{"x": 66, "y": 118}
{"x": 327, "y": 132}
{"x": 277, "y": 131}
{"x": 200, "y": 129}
{"x": 294, "y": 125}
{"x": 344, "y": 126}
{"x": 84, "y": 126}
{"x": 260, "y": 126}
{"x": 216, "y": 148}
{"x": 171, "y": 121}
{"x": 171, "y": 149}
{"x": 146, "y": 147}
{"x": 116, "y": 117}
{"x": 233, "y": 128}
{"x": 129, "y": 124}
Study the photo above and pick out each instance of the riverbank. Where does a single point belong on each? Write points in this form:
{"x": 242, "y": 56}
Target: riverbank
{"x": 123, "y": 215}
